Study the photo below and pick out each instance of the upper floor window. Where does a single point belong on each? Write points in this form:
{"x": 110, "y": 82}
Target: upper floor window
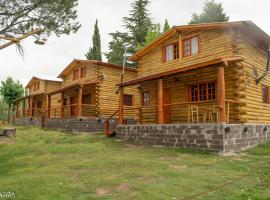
{"x": 265, "y": 94}
{"x": 128, "y": 100}
{"x": 145, "y": 98}
{"x": 83, "y": 72}
{"x": 36, "y": 86}
{"x": 75, "y": 74}
{"x": 202, "y": 91}
{"x": 171, "y": 52}
{"x": 190, "y": 46}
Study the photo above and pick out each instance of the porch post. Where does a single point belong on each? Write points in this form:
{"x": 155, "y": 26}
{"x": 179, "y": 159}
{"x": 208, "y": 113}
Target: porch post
{"x": 31, "y": 107}
{"x": 160, "y": 102}
{"x": 221, "y": 94}
{"x": 49, "y": 106}
{"x": 80, "y": 101}
{"x": 62, "y": 104}
{"x": 23, "y": 107}
{"x": 121, "y": 106}
{"x": 17, "y": 109}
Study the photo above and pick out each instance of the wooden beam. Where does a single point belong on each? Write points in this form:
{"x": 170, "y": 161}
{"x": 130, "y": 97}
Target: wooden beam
{"x": 160, "y": 102}
{"x": 31, "y": 107}
{"x": 62, "y": 104}
{"x": 80, "y": 101}
{"x": 23, "y": 107}
{"x": 221, "y": 94}
{"x": 49, "y": 106}
{"x": 17, "y": 109}
{"x": 121, "y": 106}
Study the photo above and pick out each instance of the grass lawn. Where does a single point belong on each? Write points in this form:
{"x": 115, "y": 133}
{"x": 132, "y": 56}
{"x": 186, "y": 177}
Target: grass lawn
{"x": 51, "y": 165}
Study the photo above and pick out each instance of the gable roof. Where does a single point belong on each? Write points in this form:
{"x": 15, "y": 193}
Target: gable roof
{"x": 79, "y": 62}
{"x": 178, "y": 29}
{"x": 40, "y": 79}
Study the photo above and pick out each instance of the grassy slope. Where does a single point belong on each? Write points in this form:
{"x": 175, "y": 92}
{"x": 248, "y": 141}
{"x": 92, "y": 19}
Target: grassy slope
{"x": 40, "y": 164}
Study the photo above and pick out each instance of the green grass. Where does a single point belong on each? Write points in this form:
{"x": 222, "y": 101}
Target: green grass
{"x": 51, "y": 165}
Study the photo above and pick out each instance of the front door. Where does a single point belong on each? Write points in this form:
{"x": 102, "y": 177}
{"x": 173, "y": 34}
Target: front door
{"x": 71, "y": 102}
{"x": 167, "y": 109}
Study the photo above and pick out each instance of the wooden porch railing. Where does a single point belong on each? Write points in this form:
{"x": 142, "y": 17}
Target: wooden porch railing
{"x": 107, "y": 125}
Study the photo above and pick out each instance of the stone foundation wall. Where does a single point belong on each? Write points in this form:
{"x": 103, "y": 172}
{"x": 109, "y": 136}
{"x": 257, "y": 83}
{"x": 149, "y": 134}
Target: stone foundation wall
{"x": 27, "y": 122}
{"x": 83, "y": 124}
{"x": 210, "y": 137}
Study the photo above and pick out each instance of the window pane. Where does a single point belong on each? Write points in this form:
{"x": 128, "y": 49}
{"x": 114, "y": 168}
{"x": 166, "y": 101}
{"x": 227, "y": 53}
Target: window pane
{"x": 145, "y": 98}
{"x": 187, "y": 47}
{"x": 265, "y": 94}
{"x": 202, "y": 92}
{"x": 169, "y": 52}
{"x": 194, "y": 45}
{"x": 128, "y": 100}
{"x": 176, "y": 51}
{"x": 194, "y": 93}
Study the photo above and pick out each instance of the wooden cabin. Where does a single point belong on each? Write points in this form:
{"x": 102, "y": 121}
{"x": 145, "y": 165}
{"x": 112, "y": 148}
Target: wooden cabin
{"x": 34, "y": 105}
{"x": 204, "y": 73}
{"x": 89, "y": 92}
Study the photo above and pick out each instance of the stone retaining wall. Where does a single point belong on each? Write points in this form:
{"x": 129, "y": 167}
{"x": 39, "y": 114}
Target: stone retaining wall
{"x": 210, "y": 137}
{"x": 27, "y": 122}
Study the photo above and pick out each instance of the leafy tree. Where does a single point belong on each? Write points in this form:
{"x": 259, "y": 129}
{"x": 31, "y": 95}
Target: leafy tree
{"x": 166, "y": 26}
{"x": 94, "y": 52}
{"x": 137, "y": 25}
{"x": 10, "y": 91}
{"x": 3, "y": 110}
{"x": 212, "y": 12}
{"x": 152, "y": 33}
{"x": 52, "y": 16}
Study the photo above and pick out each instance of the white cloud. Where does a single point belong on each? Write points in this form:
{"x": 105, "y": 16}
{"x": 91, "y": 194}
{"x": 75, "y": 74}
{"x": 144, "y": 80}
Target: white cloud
{"x": 49, "y": 60}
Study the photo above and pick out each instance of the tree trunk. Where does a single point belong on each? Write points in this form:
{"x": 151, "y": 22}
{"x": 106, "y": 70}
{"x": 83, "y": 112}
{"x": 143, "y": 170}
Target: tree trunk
{"x": 9, "y": 110}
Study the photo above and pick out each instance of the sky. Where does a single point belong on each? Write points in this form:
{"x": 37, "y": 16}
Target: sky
{"x": 49, "y": 60}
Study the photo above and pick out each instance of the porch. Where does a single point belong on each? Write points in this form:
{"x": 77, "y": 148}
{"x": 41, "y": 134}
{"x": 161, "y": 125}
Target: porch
{"x": 76, "y": 100}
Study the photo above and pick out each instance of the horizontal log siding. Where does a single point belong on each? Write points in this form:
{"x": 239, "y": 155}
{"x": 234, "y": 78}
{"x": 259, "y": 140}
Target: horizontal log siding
{"x": 213, "y": 44}
{"x": 252, "y": 109}
{"x": 178, "y": 85}
{"x": 108, "y": 99}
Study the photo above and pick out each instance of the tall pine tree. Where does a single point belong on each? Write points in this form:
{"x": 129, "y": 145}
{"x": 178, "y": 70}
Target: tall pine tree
{"x": 166, "y": 26}
{"x": 212, "y": 12}
{"x": 137, "y": 24}
{"x": 94, "y": 52}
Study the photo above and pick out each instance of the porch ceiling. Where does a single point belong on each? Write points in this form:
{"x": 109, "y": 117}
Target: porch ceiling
{"x": 73, "y": 86}
{"x": 224, "y": 61}
{"x": 29, "y": 96}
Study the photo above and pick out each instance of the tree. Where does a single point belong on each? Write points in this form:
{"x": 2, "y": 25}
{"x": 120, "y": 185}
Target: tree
{"x": 137, "y": 25}
{"x": 117, "y": 47}
{"x": 3, "y": 110}
{"x": 10, "y": 91}
{"x": 94, "y": 52}
{"x": 166, "y": 26}
{"x": 152, "y": 33}
{"x": 18, "y": 17}
{"x": 212, "y": 12}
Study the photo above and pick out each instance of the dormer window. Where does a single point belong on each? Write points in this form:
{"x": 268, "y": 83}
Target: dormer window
{"x": 171, "y": 52}
{"x": 83, "y": 72}
{"x": 75, "y": 74}
{"x": 190, "y": 46}
{"x": 36, "y": 86}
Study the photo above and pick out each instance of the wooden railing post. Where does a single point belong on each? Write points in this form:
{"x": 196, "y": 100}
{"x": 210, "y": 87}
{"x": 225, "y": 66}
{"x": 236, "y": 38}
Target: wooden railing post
{"x": 31, "y": 107}
{"x": 160, "y": 102}
{"x": 17, "y": 109}
{"x": 221, "y": 94}
{"x": 62, "y": 104}
{"x": 80, "y": 101}
{"x": 49, "y": 106}
{"x": 121, "y": 106}
{"x": 23, "y": 107}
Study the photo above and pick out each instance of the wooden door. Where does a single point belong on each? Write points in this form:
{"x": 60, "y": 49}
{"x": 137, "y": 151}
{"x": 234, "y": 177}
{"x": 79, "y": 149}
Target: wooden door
{"x": 167, "y": 109}
{"x": 71, "y": 102}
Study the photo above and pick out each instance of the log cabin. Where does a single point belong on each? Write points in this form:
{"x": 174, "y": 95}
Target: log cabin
{"x": 88, "y": 95}
{"x": 203, "y": 86}
{"x": 31, "y": 108}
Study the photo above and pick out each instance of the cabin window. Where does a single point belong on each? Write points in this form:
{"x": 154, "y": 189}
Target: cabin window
{"x": 39, "y": 104}
{"x": 83, "y": 72}
{"x": 172, "y": 52}
{"x": 38, "y": 85}
{"x": 128, "y": 100}
{"x": 86, "y": 99}
{"x": 190, "y": 46}
{"x": 65, "y": 102}
{"x": 202, "y": 91}
{"x": 265, "y": 94}
{"x": 75, "y": 74}
{"x": 145, "y": 98}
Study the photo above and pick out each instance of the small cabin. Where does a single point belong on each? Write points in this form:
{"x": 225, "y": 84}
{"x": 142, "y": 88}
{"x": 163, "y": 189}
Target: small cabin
{"x": 31, "y": 108}
{"x": 200, "y": 79}
{"x": 89, "y": 95}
